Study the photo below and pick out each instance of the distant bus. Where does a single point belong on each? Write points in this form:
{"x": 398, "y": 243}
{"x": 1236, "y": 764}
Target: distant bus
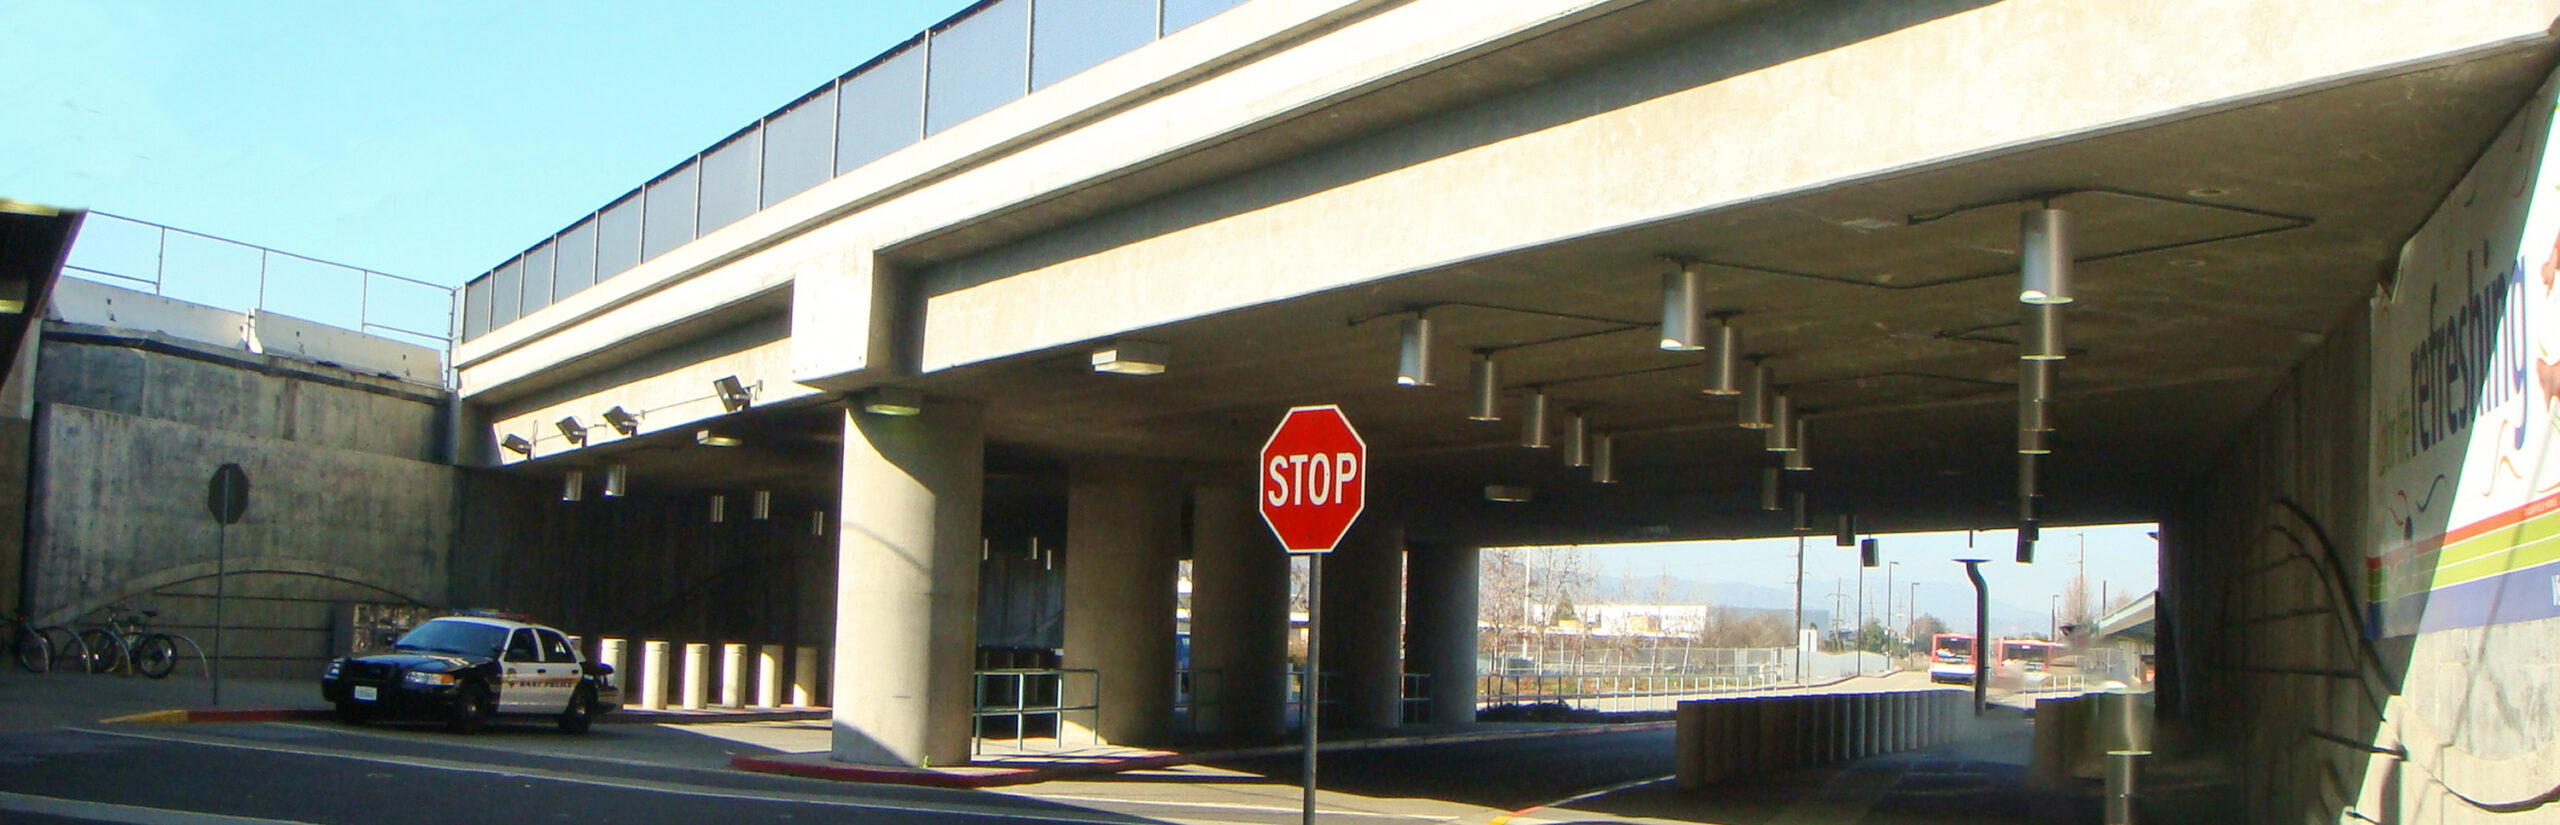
{"x": 1951, "y": 658}
{"x": 2028, "y": 655}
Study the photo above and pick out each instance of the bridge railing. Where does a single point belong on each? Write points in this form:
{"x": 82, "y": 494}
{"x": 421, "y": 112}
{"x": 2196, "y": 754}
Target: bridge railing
{"x": 986, "y": 56}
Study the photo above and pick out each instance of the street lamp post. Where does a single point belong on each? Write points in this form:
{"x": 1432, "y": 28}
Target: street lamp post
{"x": 1981, "y": 629}
{"x": 1889, "y": 635}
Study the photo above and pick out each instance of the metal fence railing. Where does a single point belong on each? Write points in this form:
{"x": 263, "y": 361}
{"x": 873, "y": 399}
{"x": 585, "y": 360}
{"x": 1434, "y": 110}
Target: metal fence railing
{"x": 1020, "y": 704}
{"x": 241, "y": 276}
{"x": 983, "y": 57}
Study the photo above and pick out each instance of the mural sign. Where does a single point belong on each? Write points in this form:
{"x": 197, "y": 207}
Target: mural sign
{"x": 2466, "y": 376}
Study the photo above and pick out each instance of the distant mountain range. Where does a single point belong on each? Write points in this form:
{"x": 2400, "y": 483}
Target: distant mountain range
{"x": 1954, "y": 608}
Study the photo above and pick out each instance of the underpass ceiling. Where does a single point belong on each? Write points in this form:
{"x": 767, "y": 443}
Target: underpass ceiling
{"x": 1900, "y": 344}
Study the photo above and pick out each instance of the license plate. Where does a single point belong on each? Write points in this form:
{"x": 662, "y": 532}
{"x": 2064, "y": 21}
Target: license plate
{"x": 367, "y": 694}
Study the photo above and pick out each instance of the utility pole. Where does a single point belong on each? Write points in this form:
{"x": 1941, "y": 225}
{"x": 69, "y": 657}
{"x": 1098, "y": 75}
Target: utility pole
{"x": 2080, "y": 581}
{"x": 1888, "y": 609}
{"x": 1839, "y": 602}
{"x": 1797, "y": 633}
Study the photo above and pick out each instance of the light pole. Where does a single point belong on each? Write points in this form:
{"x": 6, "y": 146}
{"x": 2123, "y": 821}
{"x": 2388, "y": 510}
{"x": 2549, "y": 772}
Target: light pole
{"x": 1889, "y": 634}
{"x": 1981, "y": 626}
{"x": 2053, "y": 619}
{"x": 1911, "y": 605}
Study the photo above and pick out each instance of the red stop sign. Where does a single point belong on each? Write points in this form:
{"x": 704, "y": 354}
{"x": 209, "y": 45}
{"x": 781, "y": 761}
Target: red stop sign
{"x": 1315, "y": 478}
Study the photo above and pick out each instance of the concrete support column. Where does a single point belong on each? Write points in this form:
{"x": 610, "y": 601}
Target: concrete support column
{"x": 907, "y": 585}
{"x": 1239, "y": 614}
{"x": 1124, "y": 535}
{"x": 1440, "y": 635}
{"x": 1364, "y": 624}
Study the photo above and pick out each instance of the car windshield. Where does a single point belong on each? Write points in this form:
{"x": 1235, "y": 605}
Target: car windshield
{"x": 469, "y": 638}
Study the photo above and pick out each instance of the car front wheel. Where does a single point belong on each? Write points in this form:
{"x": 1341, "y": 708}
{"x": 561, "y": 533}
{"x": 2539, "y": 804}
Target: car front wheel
{"x": 472, "y": 709}
{"x": 580, "y": 714}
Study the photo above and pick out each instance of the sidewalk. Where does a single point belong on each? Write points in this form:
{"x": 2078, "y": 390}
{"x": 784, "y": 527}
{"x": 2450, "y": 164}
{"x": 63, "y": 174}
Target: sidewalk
{"x": 30, "y": 701}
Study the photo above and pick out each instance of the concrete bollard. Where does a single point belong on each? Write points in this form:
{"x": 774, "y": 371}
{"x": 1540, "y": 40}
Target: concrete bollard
{"x": 2124, "y": 796}
{"x": 697, "y": 674}
{"x": 768, "y": 675}
{"x": 733, "y": 673}
{"x": 804, "y": 677}
{"x": 609, "y": 654}
{"x": 653, "y": 675}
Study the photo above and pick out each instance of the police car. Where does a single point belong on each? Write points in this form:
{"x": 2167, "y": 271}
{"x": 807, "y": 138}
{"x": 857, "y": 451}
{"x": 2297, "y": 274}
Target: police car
{"x": 467, "y": 669}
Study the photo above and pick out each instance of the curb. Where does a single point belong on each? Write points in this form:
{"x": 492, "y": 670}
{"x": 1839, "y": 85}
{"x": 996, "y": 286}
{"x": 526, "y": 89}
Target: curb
{"x": 1005, "y": 777}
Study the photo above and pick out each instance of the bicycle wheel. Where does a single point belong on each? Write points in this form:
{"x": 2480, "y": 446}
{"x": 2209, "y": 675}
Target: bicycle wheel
{"x": 106, "y": 652}
{"x": 33, "y": 652}
{"x": 155, "y": 656}
{"x": 68, "y": 650}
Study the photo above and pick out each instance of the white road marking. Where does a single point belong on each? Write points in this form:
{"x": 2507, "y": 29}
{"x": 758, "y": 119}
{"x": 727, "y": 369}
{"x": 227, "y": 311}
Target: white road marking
{"x": 639, "y": 785}
{"x": 122, "y": 814}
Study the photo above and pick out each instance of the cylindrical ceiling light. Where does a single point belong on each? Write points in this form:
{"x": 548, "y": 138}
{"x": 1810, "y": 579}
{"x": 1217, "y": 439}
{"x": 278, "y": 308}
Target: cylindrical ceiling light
{"x": 1847, "y": 534}
{"x": 1870, "y": 552}
{"x": 1484, "y": 389}
{"x": 1604, "y": 459}
{"x": 1798, "y": 459}
{"x": 2044, "y": 252}
{"x": 616, "y": 479}
{"x": 1413, "y": 352}
{"x": 1533, "y": 422}
{"x": 1779, "y": 437}
{"x": 1769, "y": 484}
{"x": 2035, "y": 393}
{"x": 1803, "y": 513}
{"x": 2032, "y": 442}
{"x": 2040, "y": 333}
{"x": 1724, "y": 359}
{"x": 760, "y": 506}
{"x": 719, "y": 508}
{"x": 1577, "y": 440}
{"x": 1683, "y": 318}
{"x": 573, "y": 485}
{"x": 2026, "y": 548}
{"x": 2028, "y": 488}
{"x": 1754, "y": 414}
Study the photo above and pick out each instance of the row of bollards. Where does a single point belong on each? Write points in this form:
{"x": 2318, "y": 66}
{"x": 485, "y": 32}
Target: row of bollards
{"x": 645, "y": 681}
{"x": 1738, "y": 738}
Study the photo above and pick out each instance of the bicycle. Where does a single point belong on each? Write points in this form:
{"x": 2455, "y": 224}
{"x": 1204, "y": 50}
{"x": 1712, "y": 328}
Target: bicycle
{"x": 121, "y": 643}
{"x": 34, "y": 647}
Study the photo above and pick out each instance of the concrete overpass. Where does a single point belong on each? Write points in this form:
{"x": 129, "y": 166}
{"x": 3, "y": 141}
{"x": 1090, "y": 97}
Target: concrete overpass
{"x": 1266, "y": 196}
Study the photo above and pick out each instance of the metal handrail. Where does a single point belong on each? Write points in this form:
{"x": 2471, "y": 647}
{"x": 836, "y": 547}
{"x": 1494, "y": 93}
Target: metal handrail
{"x": 1021, "y": 710}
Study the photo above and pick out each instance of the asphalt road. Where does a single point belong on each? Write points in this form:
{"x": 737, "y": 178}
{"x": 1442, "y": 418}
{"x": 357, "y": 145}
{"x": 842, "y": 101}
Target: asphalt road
{"x": 1505, "y": 775}
{"x": 309, "y": 774}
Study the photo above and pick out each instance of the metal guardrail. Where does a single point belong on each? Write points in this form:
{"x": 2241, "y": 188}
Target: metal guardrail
{"x": 1023, "y": 695}
{"x": 111, "y": 251}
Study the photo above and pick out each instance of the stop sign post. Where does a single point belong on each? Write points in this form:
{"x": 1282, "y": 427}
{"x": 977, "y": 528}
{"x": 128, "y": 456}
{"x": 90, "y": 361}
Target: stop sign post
{"x": 1315, "y": 482}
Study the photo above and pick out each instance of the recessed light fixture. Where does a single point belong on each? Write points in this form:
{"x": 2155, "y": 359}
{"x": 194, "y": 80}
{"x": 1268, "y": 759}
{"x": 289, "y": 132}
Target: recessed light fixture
{"x": 893, "y": 401}
{"x": 2207, "y": 192}
{"x": 708, "y": 438}
{"x": 1126, "y": 357}
{"x": 1870, "y": 224}
{"x": 1506, "y": 493}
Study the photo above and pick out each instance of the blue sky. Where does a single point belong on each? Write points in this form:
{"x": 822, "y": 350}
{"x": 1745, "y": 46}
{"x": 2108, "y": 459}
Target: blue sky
{"x": 425, "y": 139}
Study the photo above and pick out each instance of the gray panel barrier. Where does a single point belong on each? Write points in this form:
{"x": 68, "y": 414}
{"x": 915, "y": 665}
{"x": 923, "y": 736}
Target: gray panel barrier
{"x": 1730, "y": 739}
